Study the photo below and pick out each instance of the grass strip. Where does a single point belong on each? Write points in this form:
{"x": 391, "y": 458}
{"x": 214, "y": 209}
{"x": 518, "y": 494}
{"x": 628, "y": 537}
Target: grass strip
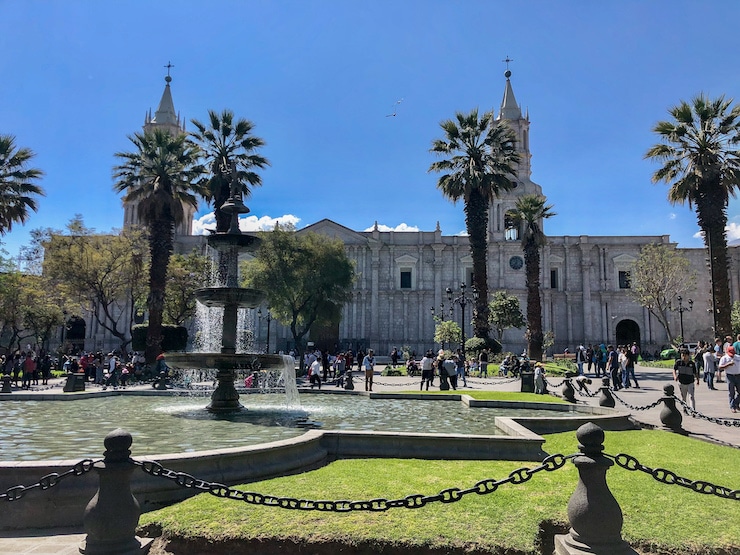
{"x": 659, "y": 517}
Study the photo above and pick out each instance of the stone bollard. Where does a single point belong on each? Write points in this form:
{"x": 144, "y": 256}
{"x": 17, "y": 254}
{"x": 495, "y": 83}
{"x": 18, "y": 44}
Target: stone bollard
{"x": 670, "y": 416}
{"x": 569, "y": 393}
{"x": 606, "y": 399}
{"x": 161, "y": 384}
{"x": 6, "y": 384}
{"x": 112, "y": 515}
{"x": 594, "y": 514}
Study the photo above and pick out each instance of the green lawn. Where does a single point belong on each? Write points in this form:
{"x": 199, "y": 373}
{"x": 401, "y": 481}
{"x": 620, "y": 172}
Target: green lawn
{"x": 666, "y": 519}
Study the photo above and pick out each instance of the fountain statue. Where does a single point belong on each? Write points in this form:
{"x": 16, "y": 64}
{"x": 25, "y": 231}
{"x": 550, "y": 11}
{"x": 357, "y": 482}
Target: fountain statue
{"x": 227, "y": 294}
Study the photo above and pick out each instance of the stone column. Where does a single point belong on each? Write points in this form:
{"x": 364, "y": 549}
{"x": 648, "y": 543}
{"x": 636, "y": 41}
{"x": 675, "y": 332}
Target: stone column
{"x": 594, "y": 514}
{"x": 111, "y": 517}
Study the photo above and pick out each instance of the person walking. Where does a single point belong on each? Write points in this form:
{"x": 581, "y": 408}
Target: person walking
{"x": 368, "y": 364}
{"x": 612, "y": 362}
{"x": 685, "y": 373}
{"x": 427, "y": 369}
{"x": 483, "y": 363}
{"x": 730, "y": 363}
{"x": 710, "y": 367}
{"x": 629, "y": 368}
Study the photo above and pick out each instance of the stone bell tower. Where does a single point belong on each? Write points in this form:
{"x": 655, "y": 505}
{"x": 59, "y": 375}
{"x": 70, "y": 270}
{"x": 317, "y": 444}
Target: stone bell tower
{"x": 167, "y": 119}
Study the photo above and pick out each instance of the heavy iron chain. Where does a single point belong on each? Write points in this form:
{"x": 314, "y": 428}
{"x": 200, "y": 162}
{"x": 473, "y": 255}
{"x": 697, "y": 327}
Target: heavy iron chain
{"x": 632, "y": 407}
{"x": 405, "y": 384}
{"x": 668, "y": 477}
{"x": 494, "y": 381}
{"x": 555, "y": 386}
{"x": 415, "y": 501}
{"x": 48, "y": 481}
{"x": 729, "y": 422}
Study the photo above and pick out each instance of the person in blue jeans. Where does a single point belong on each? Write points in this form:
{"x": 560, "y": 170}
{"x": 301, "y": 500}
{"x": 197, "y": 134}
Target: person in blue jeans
{"x": 460, "y": 362}
{"x": 629, "y": 368}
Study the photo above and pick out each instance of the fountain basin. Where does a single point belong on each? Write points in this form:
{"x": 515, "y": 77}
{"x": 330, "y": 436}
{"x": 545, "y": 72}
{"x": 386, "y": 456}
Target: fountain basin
{"x": 229, "y": 296}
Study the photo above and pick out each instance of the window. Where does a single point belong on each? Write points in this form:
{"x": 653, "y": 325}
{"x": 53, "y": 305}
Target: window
{"x": 405, "y": 279}
{"x": 511, "y": 231}
{"x": 624, "y": 279}
{"x": 553, "y": 278}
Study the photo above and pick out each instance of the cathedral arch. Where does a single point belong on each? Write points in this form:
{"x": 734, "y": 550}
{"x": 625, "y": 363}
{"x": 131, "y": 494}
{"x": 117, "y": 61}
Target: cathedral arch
{"x": 627, "y": 332}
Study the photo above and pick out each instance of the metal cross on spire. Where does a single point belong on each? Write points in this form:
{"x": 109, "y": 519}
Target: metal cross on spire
{"x": 169, "y": 66}
{"x": 506, "y": 61}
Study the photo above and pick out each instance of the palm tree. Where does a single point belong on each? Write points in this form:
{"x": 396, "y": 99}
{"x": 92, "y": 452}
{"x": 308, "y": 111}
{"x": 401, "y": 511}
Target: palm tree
{"x": 17, "y": 187}
{"x": 224, "y": 142}
{"x": 528, "y": 214}
{"x": 160, "y": 176}
{"x": 480, "y": 164}
{"x": 701, "y": 163}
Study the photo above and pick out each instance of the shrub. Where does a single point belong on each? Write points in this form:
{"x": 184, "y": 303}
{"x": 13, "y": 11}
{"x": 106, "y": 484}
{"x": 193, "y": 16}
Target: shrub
{"x": 391, "y": 371}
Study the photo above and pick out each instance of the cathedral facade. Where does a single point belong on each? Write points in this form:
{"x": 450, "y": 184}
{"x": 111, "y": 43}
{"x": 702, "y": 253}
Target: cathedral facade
{"x": 401, "y": 276}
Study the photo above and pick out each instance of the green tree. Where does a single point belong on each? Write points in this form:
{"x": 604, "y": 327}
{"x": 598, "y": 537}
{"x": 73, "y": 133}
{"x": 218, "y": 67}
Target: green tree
{"x": 660, "y": 274}
{"x": 735, "y": 318}
{"x": 223, "y": 142}
{"x": 528, "y": 214}
{"x": 18, "y": 188}
{"x": 700, "y": 161}
{"x": 447, "y": 332}
{"x": 307, "y": 279}
{"x": 186, "y": 274}
{"x": 103, "y": 275}
{"x": 480, "y": 159}
{"x": 160, "y": 176}
{"x": 505, "y": 313}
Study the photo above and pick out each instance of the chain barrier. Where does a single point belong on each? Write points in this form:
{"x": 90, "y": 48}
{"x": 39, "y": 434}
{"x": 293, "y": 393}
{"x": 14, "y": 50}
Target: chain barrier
{"x": 554, "y": 386}
{"x": 664, "y": 476}
{"x": 414, "y": 501}
{"x": 48, "y": 481}
{"x": 729, "y": 422}
{"x": 405, "y": 384}
{"x": 493, "y": 381}
{"x": 632, "y": 407}
{"x": 585, "y": 392}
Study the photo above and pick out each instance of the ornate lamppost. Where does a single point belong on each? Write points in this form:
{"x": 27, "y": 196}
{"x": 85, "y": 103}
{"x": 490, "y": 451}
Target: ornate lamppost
{"x": 463, "y": 300}
{"x": 268, "y": 319}
{"x": 681, "y": 309}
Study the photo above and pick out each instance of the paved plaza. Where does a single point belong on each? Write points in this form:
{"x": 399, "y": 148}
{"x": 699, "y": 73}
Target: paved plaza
{"x": 651, "y": 381}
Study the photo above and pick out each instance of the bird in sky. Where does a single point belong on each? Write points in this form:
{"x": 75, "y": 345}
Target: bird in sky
{"x": 395, "y": 104}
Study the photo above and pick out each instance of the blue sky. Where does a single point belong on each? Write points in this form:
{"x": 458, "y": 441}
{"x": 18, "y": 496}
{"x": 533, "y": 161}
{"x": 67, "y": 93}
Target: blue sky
{"x": 319, "y": 77}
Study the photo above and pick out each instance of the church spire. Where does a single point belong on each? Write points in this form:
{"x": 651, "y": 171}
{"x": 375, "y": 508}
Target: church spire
{"x": 165, "y": 116}
{"x": 509, "y": 108}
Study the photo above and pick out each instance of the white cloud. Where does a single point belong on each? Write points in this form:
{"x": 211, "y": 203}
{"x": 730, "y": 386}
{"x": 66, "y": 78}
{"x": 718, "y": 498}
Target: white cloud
{"x": 672, "y": 216}
{"x": 733, "y": 231}
{"x": 207, "y": 223}
{"x": 399, "y": 227}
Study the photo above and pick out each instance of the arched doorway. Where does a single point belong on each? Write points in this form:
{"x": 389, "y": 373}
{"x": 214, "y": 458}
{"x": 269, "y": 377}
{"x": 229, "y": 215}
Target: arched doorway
{"x": 627, "y": 332}
{"x": 75, "y": 336}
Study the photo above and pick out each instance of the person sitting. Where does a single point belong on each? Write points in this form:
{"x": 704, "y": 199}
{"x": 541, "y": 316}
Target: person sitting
{"x": 412, "y": 369}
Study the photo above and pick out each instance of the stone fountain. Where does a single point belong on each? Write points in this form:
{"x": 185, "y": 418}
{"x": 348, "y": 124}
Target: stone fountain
{"x": 227, "y": 294}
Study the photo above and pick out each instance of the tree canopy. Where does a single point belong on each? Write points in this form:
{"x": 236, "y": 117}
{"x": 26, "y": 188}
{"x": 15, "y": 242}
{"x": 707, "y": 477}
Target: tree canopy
{"x": 307, "y": 278}
{"x": 505, "y": 313}
{"x": 18, "y": 187}
{"x": 659, "y": 276}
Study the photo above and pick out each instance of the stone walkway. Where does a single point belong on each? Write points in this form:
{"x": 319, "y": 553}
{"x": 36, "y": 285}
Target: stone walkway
{"x": 651, "y": 380}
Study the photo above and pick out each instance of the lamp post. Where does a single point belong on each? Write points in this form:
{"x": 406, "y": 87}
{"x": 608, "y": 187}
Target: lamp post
{"x": 681, "y": 309}
{"x": 463, "y": 300}
{"x": 268, "y": 318}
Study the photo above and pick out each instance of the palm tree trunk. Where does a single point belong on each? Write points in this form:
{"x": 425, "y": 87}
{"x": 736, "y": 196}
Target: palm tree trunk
{"x": 534, "y": 304}
{"x": 712, "y": 218}
{"x": 160, "y": 246}
{"x": 476, "y": 221}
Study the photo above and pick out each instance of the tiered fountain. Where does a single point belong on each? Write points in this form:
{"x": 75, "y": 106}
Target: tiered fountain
{"x": 226, "y": 293}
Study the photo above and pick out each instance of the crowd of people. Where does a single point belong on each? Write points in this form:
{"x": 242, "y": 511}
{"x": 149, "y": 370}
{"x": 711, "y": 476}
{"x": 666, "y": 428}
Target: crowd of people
{"x": 710, "y": 363}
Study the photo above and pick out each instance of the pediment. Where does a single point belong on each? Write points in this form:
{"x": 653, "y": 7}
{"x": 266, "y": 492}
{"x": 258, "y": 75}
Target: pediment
{"x": 624, "y": 259}
{"x": 555, "y": 259}
{"x": 336, "y": 231}
{"x": 406, "y": 260}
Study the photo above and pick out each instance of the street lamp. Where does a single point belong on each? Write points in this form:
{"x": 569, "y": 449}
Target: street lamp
{"x": 681, "y": 309}
{"x": 268, "y": 318}
{"x": 463, "y": 300}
